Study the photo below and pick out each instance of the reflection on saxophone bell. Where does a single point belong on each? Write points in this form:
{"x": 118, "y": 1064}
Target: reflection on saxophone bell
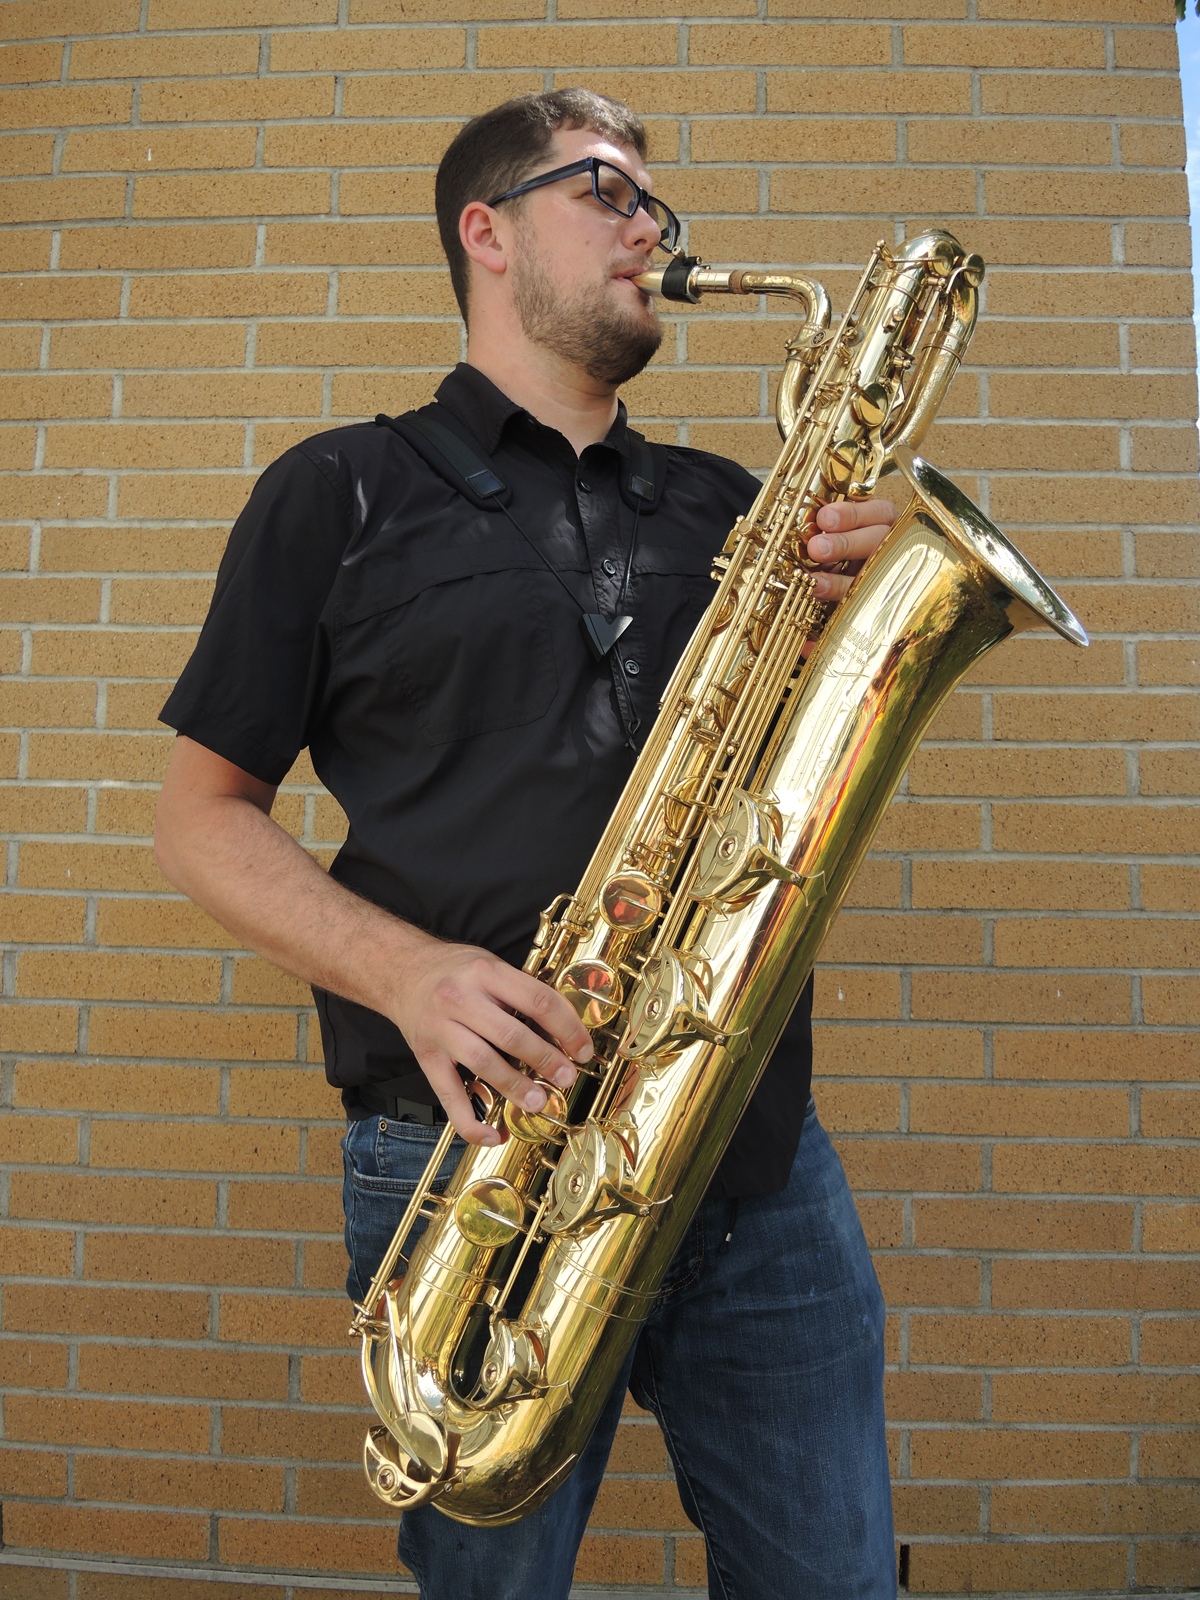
{"x": 704, "y": 907}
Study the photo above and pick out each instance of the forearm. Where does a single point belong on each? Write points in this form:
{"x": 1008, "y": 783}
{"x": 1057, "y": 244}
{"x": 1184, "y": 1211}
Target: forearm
{"x": 227, "y": 855}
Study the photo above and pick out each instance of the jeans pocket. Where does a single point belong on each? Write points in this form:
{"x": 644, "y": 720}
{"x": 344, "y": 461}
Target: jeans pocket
{"x": 383, "y": 1161}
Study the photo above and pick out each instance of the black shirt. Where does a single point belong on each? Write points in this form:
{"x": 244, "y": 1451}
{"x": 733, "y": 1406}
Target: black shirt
{"x": 429, "y": 653}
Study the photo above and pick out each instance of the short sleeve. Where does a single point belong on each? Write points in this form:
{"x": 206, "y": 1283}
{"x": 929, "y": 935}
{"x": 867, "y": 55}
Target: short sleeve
{"x": 259, "y": 663}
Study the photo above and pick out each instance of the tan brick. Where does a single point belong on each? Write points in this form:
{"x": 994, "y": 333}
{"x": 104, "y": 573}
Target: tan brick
{"x": 1123, "y": 1508}
{"x": 877, "y": 883}
{"x": 154, "y": 245}
{"x": 1170, "y": 1000}
{"x": 909, "y": 1164}
{"x": 1169, "y": 830}
{"x": 1096, "y": 1169}
{"x": 57, "y": 1086}
{"x": 899, "y": 1052}
{"x": 766, "y": 139}
{"x": 449, "y": 94}
{"x": 945, "y": 93}
{"x": 1024, "y": 1341}
{"x": 1072, "y": 942}
{"x": 171, "y": 14}
{"x": 236, "y": 100}
{"x": 105, "y": 1311}
{"x": 1081, "y": 94}
{"x": 1091, "y": 294}
{"x": 26, "y": 153}
{"x": 53, "y": 299}
{"x": 19, "y": 348}
{"x": 1056, "y": 771}
{"x": 1162, "y": 344}
{"x": 183, "y": 494}
{"x": 1170, "y": 1341}
{"x": 289, "y": 1207}
{"x": 32, "y": 1472}
{"x": 1148, "y": 144}
{"x": 94, "y": 976}
{"x": 1171, "y": 1227}
{"x": 1167, "y": 555}
{"x": 1001, "y": 997}
{"x": 1168, "y": 1564}
{"x": 46, "y": 395}
{"x": 980, "y": 140}
{"x": 1171, "y": 662}
{"x": 16, "y": 450}
{"x": 201, "y": 395}
{"x": 164, "y": 150}
{"x": 264, "y": 294}
{"x": 880, "y": 191}
{"x": 924, "y": 1508}
{"x": 925, "y": 826}
{"x": 39, "y": 1028}
{"x": 1044, "y": 886}
{"x": 1095, "y": 1056}
{"x": 202, "y": 1374}
{"x": 1158, "y": 244}
{"x": 367, "y": 344}
{"x": 965, "y": 1568}
{"x": 42, "y": 809}
{"x": 258, "y": 983}
{"x": 1061, "y": 243}
{"x": 335, "y": 1491}
{"x": 164, "y": 58}
{"x": 132, "y": 550}
{"x": 335, "y": 242}
{"x": 197, "y": 1146}
{"x": 160, "y": 1534}
{"x": 221, "y": 1485}
{"x": 1109, "y": 194}
{"x": 328, "y": 145}
{"x": 98, "y": 755}
{"x": 1006, "y": 1112}
{"x": 649, "y": 46}
{"x": 1170, "y": 772}
{"x": 860, "y": 1108}
{"x": 220, "y": 195}
{"x": 990, "y": 1452}
{"x": 777, "y": 45}
{"x": 389, "y": 291}
{"x": 928, "y": 1281}
{"x": 302, "y": 1435}
{"x": 330, "y": 1379}
{"x": 1170, "y": 888}
{"x": 995, "y": 1224}
{"x": 25, "y": 251}
{"x": 37, "y": 1253}
{"x": 856, "y": 994}
{"x": 167, "y": 1203}
{"x": 63, "y": 107}
{"x": 1100, "y": 1285}
{"x": 235, "y": 1036}
{"x": 1124, "y": 716}
{"x": 40, "y": 1141}
{"x": 43, "y": 919}
{"x": 620, "y": 1558}
{"x": 110, "y": 653}
{"x": 638, "y": 1504}
{"x": 932, "y": 1396}
{"x": 358, "y": 395}
{"x": 1004, "y": 47}
{"x": 979, "y": 448}
{"x": 324, "y": 1265}
{"x": 131, "y": 444}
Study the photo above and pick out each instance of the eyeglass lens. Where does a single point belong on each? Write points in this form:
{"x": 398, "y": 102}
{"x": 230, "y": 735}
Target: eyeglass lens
{"x": 619, "y": 192}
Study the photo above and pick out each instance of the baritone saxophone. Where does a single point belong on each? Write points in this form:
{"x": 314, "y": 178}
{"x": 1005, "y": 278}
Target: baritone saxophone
{"x": 700, "y": 916}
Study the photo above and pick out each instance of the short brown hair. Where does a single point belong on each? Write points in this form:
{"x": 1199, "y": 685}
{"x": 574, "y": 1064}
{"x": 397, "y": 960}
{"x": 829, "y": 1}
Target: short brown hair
{"x": 502, "y": 147}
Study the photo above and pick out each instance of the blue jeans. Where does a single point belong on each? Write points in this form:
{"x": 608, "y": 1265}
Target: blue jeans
{"x": 763, "y": 1362}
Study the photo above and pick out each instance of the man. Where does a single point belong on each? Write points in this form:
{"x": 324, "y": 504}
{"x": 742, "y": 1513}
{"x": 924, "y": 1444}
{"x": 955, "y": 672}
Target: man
{"x": 442, "y": 647}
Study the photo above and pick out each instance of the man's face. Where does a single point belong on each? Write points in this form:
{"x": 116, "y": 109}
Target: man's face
{"x": 573, "y": 264}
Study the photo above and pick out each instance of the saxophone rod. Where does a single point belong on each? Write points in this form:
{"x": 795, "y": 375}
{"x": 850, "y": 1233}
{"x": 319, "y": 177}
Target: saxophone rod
{"x": 686, "y": 278}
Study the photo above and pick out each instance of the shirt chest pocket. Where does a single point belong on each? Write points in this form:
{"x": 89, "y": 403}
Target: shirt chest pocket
{"x": 465, "y": 641}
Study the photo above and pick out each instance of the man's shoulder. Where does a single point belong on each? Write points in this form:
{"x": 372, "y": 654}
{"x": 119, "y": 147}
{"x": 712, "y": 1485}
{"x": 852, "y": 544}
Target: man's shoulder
{"x": 711, "y": 469}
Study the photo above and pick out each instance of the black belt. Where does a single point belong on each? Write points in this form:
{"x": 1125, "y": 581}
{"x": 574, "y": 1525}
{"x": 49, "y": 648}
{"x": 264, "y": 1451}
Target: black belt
{"x": 390, "y": 1105}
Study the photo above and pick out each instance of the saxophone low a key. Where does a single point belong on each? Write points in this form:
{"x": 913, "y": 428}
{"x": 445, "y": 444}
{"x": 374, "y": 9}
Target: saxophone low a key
{"x": 782, "y": 737}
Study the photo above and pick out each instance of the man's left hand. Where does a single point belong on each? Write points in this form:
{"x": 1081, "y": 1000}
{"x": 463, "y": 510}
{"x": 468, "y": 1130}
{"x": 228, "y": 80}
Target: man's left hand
{"x": 851, "y": 530}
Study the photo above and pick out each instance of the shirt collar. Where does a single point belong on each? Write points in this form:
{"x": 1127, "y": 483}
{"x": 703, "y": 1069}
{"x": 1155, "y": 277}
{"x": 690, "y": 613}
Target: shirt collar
{"x": 486, "y": 410}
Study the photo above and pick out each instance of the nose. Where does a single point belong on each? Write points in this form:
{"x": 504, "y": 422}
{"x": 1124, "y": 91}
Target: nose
{"x": 640, "y": 231}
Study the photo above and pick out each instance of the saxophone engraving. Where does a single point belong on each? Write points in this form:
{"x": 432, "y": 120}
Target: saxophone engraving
{"x": 703, "y": 909}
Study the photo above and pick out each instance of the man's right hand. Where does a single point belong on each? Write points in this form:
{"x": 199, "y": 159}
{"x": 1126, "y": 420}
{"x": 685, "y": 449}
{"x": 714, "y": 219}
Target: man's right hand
{"x": 462, "y": 1006}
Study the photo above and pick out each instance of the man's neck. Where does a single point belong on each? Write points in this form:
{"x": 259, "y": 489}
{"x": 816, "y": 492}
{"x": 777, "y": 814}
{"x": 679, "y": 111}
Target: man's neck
{"x": 557, "y": 394}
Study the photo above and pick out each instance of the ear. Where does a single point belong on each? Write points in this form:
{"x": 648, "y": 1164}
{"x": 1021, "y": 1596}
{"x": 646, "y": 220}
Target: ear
{"x": 480, "y": 238}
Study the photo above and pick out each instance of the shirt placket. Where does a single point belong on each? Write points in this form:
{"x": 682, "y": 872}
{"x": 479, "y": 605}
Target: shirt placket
{"x": 606, "y": 537}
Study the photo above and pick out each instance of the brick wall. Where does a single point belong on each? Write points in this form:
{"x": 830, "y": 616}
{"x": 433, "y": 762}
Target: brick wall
{"x": 219, "y": 240}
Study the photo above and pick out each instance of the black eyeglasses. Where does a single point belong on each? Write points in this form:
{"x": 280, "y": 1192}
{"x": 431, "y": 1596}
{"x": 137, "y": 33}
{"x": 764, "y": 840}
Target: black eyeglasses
{"x": 613, "y": 188}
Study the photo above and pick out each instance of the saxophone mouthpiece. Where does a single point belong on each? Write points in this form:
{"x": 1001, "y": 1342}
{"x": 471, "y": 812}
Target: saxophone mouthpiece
{"x": 672, "y": 282}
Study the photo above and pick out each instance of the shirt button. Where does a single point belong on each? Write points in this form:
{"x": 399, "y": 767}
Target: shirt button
{"x": 632, "y": 668}
{"x": 581, "y": 483}
{"x": 610, "y": 567}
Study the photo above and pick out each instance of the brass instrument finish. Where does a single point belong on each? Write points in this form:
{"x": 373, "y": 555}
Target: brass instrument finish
{"x": 703, "y": 909}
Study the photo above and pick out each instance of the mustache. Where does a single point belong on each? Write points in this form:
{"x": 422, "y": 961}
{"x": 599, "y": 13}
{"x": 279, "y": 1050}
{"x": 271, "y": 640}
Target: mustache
{"x": 631, "y": 267}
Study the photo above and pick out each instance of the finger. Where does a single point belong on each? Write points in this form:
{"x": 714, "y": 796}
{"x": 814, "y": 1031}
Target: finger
{"x": 842, "y": 515}
{"x": 856, "y": 544}
{"x": 443, "y": 1075}
{"x": 477, "y": 1056}
{"x": 543, "y": 1006}
{"x": 509, "y": 1036}
{"x": 831, "y": 588}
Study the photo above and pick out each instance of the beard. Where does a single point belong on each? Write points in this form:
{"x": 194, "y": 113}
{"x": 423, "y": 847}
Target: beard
{"x": 610, "y": 343}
